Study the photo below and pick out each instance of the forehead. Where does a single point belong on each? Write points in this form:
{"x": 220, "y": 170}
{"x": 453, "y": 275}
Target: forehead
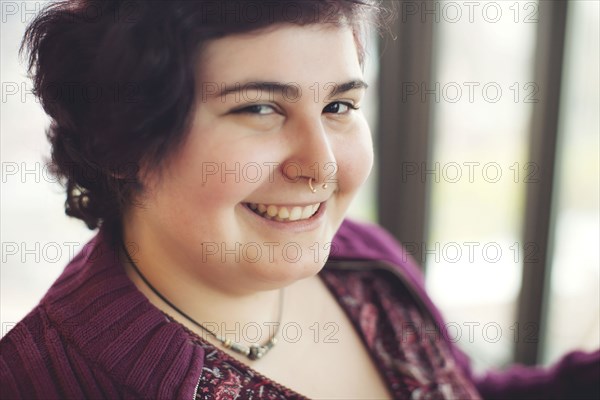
{"x": 287, "y": 53}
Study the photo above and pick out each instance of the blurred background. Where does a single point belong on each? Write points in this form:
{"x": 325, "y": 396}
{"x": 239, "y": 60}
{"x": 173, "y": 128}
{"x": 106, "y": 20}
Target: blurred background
{"x": 486, "y": 127}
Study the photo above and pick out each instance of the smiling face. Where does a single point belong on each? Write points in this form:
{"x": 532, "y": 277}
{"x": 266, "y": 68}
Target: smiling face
{"x": 233, "y": 207}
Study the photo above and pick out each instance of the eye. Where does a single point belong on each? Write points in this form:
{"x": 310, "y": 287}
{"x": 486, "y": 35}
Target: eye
{"x": 339, "y": 107}
{"x": 257, "y": 109}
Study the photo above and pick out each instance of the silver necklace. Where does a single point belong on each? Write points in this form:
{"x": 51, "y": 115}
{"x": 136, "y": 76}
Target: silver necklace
{"x": 253, "y": 352}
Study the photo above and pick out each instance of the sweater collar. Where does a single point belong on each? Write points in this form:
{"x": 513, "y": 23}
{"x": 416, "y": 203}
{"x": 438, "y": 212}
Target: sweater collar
{"x": 101, "y": 313}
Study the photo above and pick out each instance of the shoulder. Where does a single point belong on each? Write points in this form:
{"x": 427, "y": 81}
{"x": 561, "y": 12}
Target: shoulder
{"x": 95, "y": 335}
{"x": 370, "y": 242}
{"x": 39, "y": 361}
{"x": 35, "y": 354}
{"x": 30, "y": 356}
{"x": 357, "y": 241}
{"x": 19, "y": 351}
{"x": 42, "y": 356}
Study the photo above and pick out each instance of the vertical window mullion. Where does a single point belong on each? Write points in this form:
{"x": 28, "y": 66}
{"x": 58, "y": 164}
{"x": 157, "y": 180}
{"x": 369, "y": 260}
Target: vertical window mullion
{"x": 403, "y": 133}
{"x": 542, "y": 145}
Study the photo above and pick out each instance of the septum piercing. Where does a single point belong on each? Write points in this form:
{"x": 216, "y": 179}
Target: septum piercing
{"x": 312, "y": 189}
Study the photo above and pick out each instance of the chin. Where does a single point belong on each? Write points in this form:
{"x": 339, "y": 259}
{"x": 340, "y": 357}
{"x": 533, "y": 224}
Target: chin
{"x": 285, "y": 273}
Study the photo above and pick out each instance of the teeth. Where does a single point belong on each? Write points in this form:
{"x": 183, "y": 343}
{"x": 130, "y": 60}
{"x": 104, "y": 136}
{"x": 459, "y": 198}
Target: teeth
{"x": 272, "y": 211}
{"x": 295, "y": 214}
{"x": 307, "y": 212}
{"x": 283, "y": 214}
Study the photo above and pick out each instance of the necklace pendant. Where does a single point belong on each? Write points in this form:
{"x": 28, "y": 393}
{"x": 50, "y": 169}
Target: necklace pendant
{"x": 257, "y": 352}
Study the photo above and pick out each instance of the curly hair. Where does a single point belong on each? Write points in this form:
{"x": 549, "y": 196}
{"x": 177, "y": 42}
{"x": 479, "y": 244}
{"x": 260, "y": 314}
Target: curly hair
{"x": 117, "y": 78}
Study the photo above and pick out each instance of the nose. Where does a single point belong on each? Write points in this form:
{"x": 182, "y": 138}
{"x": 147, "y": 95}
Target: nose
{"x": 311, "y": 152}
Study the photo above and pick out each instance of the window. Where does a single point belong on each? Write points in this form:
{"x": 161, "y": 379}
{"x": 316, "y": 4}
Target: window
{"x": 469, "y": 103}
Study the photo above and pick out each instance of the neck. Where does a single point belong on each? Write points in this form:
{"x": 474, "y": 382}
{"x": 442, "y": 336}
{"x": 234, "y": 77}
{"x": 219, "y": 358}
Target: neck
{"x": 228, "y": 312}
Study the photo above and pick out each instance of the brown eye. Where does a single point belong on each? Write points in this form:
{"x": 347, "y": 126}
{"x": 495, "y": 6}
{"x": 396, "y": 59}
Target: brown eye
{"x": 339, "y": 107}
{"x": 257, "y": 109}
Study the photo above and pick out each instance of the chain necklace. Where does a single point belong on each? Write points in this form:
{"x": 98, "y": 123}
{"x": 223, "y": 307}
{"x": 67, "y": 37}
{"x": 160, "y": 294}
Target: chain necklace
{"x": 253, "y": 352}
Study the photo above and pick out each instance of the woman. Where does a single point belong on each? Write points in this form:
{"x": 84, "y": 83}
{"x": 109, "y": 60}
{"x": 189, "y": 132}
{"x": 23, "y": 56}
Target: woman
{"x": 217, "y": 146}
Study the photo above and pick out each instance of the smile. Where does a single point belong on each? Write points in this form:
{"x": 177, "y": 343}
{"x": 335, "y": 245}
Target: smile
{"x": 284, "y": 213}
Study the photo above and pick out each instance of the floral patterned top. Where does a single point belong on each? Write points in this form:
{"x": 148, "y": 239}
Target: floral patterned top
{"x": 396, "y": 329}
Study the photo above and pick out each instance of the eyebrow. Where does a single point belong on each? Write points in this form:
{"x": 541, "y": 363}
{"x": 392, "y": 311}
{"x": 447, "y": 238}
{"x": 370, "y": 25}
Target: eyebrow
{"x": 291, "y": 89}
{"x": 262, "y": 86}
{"x": 340, "y": 88}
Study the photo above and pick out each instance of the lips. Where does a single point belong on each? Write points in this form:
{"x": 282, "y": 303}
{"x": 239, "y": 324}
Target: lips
{"x": 284, "y": 213}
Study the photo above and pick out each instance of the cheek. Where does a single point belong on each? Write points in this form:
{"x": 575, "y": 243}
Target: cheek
{"x": 355, "y": 159}
{"x": 211, "y": 175}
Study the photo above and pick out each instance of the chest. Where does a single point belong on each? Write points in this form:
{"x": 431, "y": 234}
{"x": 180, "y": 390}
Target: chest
{"x": 321, "y": 355}
{"x": 357, "y": 337}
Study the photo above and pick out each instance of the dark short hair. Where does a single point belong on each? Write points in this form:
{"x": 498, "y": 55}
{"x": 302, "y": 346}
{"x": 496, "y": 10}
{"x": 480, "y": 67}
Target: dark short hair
{"x": 117, "y": 78}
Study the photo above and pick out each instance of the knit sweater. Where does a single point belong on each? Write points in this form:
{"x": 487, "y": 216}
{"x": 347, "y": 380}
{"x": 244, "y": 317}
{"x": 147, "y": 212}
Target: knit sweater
{"x": 94, "y": 335}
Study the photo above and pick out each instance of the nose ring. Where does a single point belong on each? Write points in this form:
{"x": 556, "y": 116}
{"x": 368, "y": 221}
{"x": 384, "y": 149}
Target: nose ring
{"x": 310, "y": 186}
{"x": 312, "y": 189}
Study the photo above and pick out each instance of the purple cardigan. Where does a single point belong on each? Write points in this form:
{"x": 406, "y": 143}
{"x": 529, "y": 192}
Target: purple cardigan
{"x": 94, "y": 335}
